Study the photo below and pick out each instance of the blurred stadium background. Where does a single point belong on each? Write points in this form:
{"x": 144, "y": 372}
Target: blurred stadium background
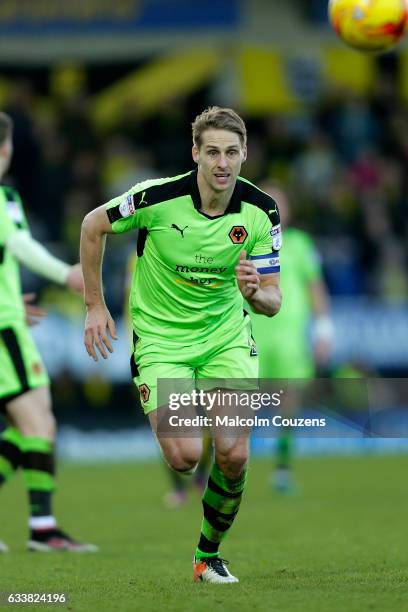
{"x": 102, "y": 95}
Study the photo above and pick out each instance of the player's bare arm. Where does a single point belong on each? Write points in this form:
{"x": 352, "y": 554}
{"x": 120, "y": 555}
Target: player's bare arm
{"x": 261, "y": 291}
{"x": 98, "y": 323}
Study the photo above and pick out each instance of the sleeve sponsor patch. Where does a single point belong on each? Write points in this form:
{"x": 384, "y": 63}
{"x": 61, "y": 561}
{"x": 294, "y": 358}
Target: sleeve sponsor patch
{"x": 127, "y": 207}
{"x": 276, "y": 233}
{"x": 15, "y": 212}
{"x": 266, "y": 264}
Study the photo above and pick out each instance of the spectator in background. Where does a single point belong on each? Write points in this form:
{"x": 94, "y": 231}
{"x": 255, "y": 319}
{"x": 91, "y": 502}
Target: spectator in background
{"x": 26, "y": 159}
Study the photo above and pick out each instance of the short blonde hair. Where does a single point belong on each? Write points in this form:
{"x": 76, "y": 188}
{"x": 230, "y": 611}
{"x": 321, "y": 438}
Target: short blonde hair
{"x": 217, "y": 118}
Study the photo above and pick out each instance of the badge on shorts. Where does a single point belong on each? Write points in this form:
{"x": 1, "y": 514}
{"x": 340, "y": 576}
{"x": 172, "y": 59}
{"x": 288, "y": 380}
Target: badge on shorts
{"x": 127, "y": 207}
{"x": 144, "y": 391}
{"x": 253, "y": 352}
{"x": 36, "y": 368}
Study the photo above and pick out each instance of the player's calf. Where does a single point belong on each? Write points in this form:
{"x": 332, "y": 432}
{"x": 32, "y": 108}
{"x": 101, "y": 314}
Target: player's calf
{"x": 232, "y": 458}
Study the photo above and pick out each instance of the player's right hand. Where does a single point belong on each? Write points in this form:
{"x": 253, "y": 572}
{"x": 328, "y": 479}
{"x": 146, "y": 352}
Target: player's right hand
{"x": 98, "y": 325}
{"x": 75, "y": 280}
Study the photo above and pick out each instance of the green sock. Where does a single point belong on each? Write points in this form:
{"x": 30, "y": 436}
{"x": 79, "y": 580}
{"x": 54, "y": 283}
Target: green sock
{"x": 221, "y": 501}
{"x": 10, "y": 453}
{"x": 39, "y": 471}
{"x": 284, "y": 450}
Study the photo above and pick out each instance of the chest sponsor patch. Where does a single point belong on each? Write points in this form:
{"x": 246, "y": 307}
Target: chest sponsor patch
{"x": 15, "y": 212}
{"x": 276, "y": 233}
{"x": 127, "y": 207}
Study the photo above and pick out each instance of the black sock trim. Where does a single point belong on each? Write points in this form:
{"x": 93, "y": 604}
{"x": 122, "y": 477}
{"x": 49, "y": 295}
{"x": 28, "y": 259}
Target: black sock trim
{"x": 218, "y": 520}
{"x": 205, "y": 545}
{"x": 217, "y": 489}
{"x": 43, "y": 462}
{"x": 40, "y": 503}
{"x": 11, "y": 452}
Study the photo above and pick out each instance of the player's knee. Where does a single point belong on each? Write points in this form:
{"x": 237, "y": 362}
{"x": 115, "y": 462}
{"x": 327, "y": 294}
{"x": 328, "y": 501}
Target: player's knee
{"x": 44, "y": 424}
{"x": 50, "y": 426}
{"x": 45, "y": 421}
{"x": 183, "y": 462}
{"x": 233, "y": 463}
{"x": 44, "y": 427}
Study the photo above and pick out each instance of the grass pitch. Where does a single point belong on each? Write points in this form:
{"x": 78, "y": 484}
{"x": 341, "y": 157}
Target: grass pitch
{"x": 339, "y": 545}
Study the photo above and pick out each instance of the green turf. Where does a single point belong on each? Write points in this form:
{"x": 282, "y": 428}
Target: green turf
{"x": 340, "y": 545}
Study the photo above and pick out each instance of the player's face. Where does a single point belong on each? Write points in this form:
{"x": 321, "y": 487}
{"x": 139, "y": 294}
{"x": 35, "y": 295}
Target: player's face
{"x": 6, "y": 153}
{"x": 219, "y": 158}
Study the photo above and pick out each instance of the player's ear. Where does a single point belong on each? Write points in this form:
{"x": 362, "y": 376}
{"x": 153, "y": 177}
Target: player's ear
{"x": 195, "y": 153}
{"x": 244, "y": 153}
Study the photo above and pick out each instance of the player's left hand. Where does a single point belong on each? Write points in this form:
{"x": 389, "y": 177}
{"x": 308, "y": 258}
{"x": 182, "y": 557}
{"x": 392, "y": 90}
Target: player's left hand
{"x": 247, "y": 277}
{"x": 33, "y": 313}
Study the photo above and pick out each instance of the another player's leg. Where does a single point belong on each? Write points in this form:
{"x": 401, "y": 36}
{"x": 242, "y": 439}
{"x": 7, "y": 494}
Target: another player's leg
{"x": 32, "y": 415}
{"x": 206, "y": 461}
{"x": 221, "y": 501}
{"x": 282, "y": 478}
{"x": 10, "y": 453}
{"x": 177, "y": 497}
{"x": 10, "y": 460}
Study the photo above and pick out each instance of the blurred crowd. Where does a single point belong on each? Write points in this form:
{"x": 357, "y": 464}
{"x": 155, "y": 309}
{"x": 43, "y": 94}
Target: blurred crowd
{"x": 343, "y": 161}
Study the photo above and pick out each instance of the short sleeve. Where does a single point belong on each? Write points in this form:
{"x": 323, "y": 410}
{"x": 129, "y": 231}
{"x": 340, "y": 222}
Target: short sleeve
{"x": 268, "y": 241}
{"x": 130, "y": 210}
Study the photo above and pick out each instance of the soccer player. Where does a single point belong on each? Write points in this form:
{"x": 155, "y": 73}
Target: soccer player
{"x": 28, "y": 441}
{"x": 299, "y": 339}
{"x": 204, "y": 244}
{"x": 177, "y": 496}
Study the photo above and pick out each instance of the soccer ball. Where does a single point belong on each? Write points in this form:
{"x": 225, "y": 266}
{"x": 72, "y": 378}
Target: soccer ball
{"x": 369, "y": 25}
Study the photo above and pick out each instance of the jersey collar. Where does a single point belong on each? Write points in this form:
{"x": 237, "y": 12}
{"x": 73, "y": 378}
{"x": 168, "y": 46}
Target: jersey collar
{"x": 234, "y": 205}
